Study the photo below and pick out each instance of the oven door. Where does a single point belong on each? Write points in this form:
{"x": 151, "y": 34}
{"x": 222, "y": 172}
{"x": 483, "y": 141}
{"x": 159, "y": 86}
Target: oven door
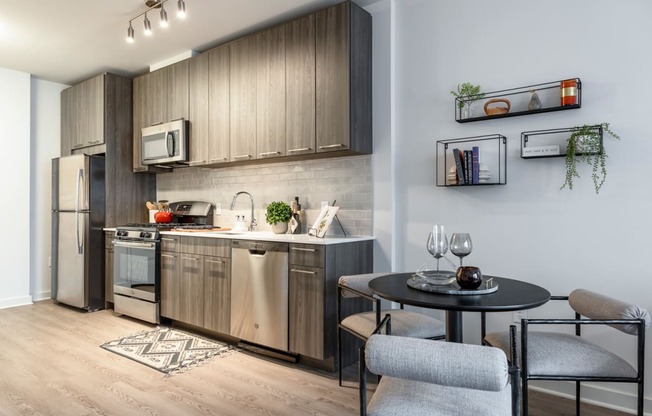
{"x": 136, "y": 269}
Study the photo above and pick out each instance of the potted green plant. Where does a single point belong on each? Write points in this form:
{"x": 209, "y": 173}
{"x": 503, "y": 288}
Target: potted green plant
{"x": 278, "y": 215}
{"x": 585, "y": 145}
{"x": 466, "y": 94}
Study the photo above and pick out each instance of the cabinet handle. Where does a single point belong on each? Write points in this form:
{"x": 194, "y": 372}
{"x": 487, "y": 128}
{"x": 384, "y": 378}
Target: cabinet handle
{"x": 312, "y": 250}
{"x": 269, "y": 153}
{"x": 219, "y": 159}
{"x": 168, "y": 239}
{"x": 303, "y": 271}
{"x": 190, "y": 258}
{"x": 302, "y": 149}
{"x": 197, "y": 162}
{"x": 331, "y": 146}
{"x": 242, "y": 157}
{"x": 167, "y": 255}
{"x": 215, "y": 261}
{"x": 94, "y": 141}
{"x": 77, "y": 145}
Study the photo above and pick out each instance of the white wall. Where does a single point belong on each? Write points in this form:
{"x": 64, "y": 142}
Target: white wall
{"x": 45, "y": 139}
{"x": 15, "y": 172}
{"x": 528, "y": 229}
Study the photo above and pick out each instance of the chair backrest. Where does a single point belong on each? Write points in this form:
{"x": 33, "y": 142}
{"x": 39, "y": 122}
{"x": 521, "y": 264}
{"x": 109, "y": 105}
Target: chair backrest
{"x": 358, "y": 282}
{"x": 450, "y": 364}
{"x": 596, "y": 306}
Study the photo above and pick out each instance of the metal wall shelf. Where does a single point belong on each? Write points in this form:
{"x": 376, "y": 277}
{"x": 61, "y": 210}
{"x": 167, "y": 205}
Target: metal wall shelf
{"x": 549, "y": 143}
{"x": 549, "y": 94}
{"x": 491, "y": 163}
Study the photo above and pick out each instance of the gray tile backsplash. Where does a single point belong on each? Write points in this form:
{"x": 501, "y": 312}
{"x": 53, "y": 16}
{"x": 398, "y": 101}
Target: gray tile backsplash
{"x": 347, "y": 180}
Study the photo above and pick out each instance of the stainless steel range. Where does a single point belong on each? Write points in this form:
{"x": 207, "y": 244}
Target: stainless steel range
{"x": 137, "y": 260}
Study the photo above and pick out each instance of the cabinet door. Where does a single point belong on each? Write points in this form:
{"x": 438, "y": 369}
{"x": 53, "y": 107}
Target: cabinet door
{"x": 92, "y": 117}
{"x": 332, "y": 82}
{"x": 140, "y": 118}
{"x": 198, "y": 109}
{"x": 306, "y": 287}
{"x": 243, "y": 99}
{"x": 270, "y": 93}
{"x": 219, "y": 110}
{"x": 300, "y": 85}
{"x": 170, "y": 285}
{"x": 67, "y": 120}
{"x": 191, "y": 286}
{"x": 155, "y": 97}
{"x": 217, "y": 294}
{"x": 175, "y": 91}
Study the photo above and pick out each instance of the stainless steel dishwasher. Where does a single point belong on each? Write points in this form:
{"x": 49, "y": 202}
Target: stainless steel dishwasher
{"x": 259, "y": 292}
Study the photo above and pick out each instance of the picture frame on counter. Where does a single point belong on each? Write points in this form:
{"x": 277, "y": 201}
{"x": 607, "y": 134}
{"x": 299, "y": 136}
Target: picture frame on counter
{"x": 324, "y": 220}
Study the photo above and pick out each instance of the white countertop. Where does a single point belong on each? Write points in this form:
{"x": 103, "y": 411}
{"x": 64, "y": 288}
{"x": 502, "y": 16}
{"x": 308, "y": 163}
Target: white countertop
{"x": 266, "y": 236}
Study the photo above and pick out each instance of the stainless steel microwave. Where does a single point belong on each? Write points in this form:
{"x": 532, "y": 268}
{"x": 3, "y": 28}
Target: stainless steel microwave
{"x": 165, "y": 143}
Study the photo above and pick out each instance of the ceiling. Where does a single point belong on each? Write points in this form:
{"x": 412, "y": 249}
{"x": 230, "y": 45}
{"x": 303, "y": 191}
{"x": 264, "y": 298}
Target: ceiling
{"x": 72, "y": 40}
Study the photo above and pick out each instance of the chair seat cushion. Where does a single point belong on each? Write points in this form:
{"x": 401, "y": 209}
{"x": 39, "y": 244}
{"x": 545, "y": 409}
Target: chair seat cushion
{"x": 554, "y": 354}
{"x": 404, "y": 323}
{"x": 400, "y": 397}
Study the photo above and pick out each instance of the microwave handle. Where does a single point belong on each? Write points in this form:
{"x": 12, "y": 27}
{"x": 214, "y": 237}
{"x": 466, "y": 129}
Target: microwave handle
{"x": 169, "y": 143}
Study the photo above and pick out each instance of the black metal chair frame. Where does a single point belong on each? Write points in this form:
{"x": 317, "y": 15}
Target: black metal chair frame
{"x": 513, "y": 369}
{"x": 578, "y": 322}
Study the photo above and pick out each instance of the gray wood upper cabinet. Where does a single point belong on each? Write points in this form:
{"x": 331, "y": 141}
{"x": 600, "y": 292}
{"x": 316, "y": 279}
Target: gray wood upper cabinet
{"x": 270, "y": 93}
{"x": 198, "y": 108}
{"x": 209, "y": 107}
{"x": 82, "y": 116}
{"x": 176, "y": 95}
{"x": 140, "y": 120}
{"x": 219, "y": 104}
{"x": 343, "y": 79}
{"x": 300, "y": 85}
{"x": 242, "y": 100}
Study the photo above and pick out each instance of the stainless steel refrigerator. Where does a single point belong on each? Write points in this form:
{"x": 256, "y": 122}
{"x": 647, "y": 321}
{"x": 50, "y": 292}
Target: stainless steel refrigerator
{"x": 78, "y": 211}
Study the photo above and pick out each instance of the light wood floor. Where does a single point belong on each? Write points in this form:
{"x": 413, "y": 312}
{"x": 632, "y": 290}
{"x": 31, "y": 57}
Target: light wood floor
{"x": 51, "y": 364}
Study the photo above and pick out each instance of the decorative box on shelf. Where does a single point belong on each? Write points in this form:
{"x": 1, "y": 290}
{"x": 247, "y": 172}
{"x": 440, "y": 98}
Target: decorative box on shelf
{"x": 472, "y": 161}
{"x": 532, "y": 99}
{"x": 549, "y": 143}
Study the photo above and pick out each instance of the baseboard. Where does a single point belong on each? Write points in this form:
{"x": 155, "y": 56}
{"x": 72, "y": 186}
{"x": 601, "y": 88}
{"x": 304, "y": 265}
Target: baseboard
{"x": 594, "y": 394}
{"x": 10, "y": 303}
{"x": 40, "y": 296}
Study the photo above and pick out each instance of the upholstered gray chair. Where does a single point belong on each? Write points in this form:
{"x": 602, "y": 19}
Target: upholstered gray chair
{"x": 362, "y": 324}
{"x": 558, "y": 356}
{"x": 422, "y": 377}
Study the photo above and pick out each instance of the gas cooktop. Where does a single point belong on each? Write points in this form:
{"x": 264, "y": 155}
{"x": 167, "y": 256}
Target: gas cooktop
{"x": 167, "y": 226}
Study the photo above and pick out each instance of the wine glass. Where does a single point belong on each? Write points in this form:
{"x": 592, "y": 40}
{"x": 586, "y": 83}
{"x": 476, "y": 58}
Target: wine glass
{"x": 461, "y": 245}
{"x": 437, "y": 244}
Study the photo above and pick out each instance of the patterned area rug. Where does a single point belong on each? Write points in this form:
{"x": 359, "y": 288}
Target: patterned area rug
{"x": 167, "y": 350}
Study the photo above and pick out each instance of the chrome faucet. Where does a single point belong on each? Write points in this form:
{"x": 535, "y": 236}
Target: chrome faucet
{"x": 252, "y": 224}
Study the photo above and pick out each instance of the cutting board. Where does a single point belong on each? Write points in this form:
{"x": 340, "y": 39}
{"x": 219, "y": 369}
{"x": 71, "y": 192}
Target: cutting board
{"x": 199, "y": 230}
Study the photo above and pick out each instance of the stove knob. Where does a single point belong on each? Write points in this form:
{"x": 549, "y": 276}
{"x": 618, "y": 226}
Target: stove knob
{"x": 144, "y": 234}
{"x": 121, "y": 233}
{"x": 148, "y": 235}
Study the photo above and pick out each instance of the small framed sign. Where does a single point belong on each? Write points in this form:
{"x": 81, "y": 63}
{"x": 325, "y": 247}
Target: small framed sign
{"x": 320, "y": 227}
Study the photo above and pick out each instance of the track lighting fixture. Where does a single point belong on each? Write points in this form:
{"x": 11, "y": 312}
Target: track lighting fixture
{"x": 147, "y": 25}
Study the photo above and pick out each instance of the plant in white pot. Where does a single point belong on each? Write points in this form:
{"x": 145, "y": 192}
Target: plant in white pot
{"x": 278, "y": 215}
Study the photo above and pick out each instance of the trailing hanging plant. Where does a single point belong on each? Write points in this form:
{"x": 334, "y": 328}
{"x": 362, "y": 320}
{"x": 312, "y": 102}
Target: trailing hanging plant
{"x": 467, "y": 93}
{"x": 585, "y": 145}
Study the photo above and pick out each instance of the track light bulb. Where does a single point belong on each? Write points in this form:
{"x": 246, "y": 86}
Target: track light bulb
{"x": 182, "y": 9}
{"x": 148, "y": 26}
{"x": 130, "y": 34}
{"x": 164, "y": 17}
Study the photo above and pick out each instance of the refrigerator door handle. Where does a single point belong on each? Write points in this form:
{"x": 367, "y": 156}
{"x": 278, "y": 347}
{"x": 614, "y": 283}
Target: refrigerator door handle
{"x": 80, "y": 178}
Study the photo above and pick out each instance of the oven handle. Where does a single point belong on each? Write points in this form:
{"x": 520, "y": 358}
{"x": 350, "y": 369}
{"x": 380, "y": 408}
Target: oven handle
{"x": 133, "y": 244}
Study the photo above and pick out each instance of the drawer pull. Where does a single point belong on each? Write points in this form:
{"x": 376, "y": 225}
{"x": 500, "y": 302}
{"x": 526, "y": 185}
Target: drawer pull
{"x": 219, "y": 159}
{"x": 167, "y": 255}
{"x": 197, "y": 162}
{"x": 214, "y": 261}
{"x": 312, "y": 250}
{"x": 302, "y": 149}
{"x": 242, "y": 157}
{"x": 303, "y": 271}
{"x": 189, "y": 258}
{"x": 269, "y": 153}
{"x": 168, "y": 239}
{"x": 331, "y": 146}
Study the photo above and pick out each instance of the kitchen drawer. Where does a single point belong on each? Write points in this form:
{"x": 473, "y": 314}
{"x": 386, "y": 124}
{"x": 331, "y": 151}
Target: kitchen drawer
{"x": 170, "y": 243}
{"x": 216, "y": 247}
{"x": 307, "y": 255}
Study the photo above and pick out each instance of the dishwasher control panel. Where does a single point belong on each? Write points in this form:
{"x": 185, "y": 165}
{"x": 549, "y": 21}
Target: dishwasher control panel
{"x": 260, "y": 246}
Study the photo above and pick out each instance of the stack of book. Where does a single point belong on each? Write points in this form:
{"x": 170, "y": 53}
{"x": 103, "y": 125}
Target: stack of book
{"x": 467, "y": 169}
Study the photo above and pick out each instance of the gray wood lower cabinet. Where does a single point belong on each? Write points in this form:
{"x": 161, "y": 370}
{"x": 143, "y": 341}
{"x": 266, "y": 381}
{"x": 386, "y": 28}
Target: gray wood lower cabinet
{"x": 108, "y": 267}
{"x": 314, "y": 272}
{"x": 196, "y": 281}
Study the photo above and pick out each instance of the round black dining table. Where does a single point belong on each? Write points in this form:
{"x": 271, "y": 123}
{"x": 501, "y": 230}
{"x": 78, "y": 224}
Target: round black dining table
{"x": 511, "y": 295}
